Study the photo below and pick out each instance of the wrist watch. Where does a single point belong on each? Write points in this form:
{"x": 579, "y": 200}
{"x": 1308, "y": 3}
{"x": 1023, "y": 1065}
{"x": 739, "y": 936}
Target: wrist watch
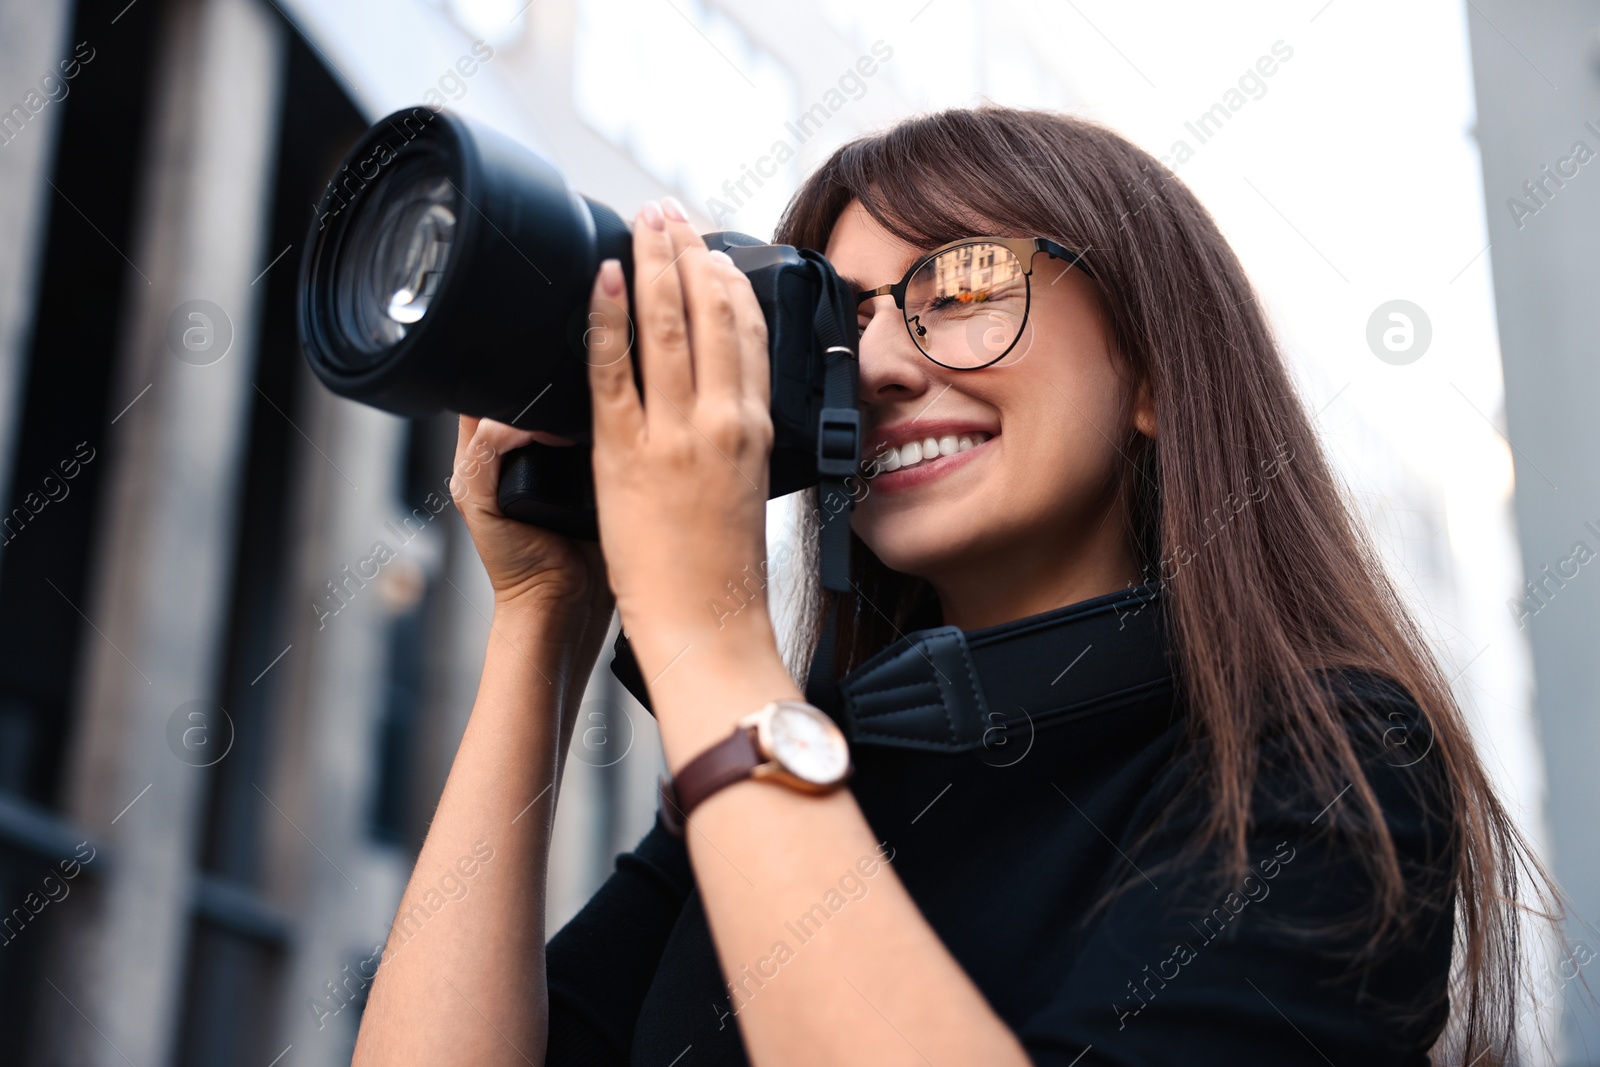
{"x": 787, "y": 741}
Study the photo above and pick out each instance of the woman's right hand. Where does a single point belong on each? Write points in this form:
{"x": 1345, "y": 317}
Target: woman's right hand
{"x": 438, "y": 984}
{"x": 530, "y": 568}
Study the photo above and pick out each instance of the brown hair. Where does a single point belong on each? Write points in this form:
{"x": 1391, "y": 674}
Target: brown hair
{"x": 1257, "y": 617}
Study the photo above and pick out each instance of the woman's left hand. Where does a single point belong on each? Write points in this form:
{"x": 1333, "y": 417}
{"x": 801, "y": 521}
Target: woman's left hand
{"x": 681, "y": 474}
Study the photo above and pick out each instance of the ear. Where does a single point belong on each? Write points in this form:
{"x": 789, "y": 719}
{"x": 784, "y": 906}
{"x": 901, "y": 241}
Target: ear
{"x": 1144, "y": 409}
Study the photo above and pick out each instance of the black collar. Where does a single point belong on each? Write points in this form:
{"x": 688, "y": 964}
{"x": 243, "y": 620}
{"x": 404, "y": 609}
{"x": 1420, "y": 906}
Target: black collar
{"x": 943, "y": 689}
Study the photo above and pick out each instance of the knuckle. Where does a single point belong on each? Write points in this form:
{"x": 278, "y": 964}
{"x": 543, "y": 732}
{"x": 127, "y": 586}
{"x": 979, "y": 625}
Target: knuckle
{"x": 721, "y": 424}
{"x": 756, "y": 332}
{"x": 717, "y": 306}
{"x": 738, "y": 426}
{"x": 759, "y": 418}
{"x": 738, "y": 283}
{"x": 677, "y": 450}
{"x": 666, "y": 327}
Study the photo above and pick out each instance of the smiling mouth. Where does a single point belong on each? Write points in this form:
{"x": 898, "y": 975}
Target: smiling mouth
{"x": 920, "y": 453}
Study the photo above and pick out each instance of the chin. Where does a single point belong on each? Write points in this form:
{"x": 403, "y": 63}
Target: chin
{"x": 921, "y": 541}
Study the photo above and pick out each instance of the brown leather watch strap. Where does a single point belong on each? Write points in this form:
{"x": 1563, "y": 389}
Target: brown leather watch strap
{"x": 728, "y": 761}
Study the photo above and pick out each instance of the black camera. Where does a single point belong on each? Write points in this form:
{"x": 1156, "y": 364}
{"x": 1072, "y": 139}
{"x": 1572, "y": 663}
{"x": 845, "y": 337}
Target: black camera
{"x": 449, "y": 268}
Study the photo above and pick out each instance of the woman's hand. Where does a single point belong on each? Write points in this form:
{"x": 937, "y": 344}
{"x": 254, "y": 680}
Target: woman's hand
{"x": 681, "y": 472}
{"x": 531, "y": 569}
{"x": 440, "y": 984}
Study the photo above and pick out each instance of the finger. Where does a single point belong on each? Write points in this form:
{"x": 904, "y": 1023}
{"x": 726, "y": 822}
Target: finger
{"x": 755, "y": 361}
{"x": 475, "y": 482}
{"x": 663, "y": 328}
{"x": 466, "y": 426}
{"x": 502, "y": 437}
{"x": 713, "y": 326}
{"x": 617, "y": 412}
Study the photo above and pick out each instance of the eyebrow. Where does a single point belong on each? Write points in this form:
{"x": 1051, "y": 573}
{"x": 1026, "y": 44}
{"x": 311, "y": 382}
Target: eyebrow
{"x": 856, "y": 285}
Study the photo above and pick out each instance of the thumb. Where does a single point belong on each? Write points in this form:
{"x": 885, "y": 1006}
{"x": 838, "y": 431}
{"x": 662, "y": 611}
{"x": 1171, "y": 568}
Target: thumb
{"x": 480, "y": 445}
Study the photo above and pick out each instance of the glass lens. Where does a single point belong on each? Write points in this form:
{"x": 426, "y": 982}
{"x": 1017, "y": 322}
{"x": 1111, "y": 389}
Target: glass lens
{"x": 393, "y": 260}
{"x": 965, "y": 307}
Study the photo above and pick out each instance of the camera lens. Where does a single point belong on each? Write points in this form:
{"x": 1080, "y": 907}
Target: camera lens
{"x": 448, "y": 268}
{"x": 390, "y": 265}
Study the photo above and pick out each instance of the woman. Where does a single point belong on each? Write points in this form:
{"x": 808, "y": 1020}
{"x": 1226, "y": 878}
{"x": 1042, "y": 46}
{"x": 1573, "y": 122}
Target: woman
{"x": 1228, "y": 807}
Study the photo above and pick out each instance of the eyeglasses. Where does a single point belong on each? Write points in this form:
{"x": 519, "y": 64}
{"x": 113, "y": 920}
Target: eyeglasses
{"x": 966, "y": 303}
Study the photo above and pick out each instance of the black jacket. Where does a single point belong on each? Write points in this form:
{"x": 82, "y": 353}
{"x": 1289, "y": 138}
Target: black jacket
{"x": 1011, "y": 773}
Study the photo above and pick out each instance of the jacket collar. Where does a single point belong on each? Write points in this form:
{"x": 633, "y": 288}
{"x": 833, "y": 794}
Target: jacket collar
{"x": 943, "y": 689}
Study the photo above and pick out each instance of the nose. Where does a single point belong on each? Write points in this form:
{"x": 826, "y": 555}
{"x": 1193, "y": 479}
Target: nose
{"x": 892, "y": 366}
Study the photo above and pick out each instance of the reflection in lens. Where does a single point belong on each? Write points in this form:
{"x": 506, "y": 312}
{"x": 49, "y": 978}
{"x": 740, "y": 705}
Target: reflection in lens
{"x": 392, "y": 262}
{"x": 425, "y": 259}
{"x": 966, "y": 306}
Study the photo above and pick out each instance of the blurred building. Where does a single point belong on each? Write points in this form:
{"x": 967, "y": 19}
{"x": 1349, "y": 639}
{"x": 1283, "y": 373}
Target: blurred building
{"x": 1538, "y": 95}
{"x": 221, "y": 745}
{"x": 234, "y": 738}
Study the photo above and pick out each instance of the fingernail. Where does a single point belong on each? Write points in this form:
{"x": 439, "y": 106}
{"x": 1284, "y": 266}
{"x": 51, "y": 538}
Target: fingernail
{"x": 651, "y": 213}
{"x": 673, "y": 209}
{"x": 611, "y": 277}
{"x": 720, "y": 256}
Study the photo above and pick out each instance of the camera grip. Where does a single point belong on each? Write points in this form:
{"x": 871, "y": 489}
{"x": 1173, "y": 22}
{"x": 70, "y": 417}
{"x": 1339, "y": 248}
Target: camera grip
{"x": 550, "y": 486}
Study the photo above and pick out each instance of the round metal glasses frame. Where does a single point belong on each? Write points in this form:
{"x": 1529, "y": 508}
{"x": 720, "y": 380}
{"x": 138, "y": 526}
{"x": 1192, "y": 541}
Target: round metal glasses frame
{"x": 1024, "y": 248}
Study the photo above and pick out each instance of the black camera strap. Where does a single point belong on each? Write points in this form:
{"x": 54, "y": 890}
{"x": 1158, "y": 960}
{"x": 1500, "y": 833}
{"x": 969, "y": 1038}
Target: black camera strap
{"x": 838, "y": 431}
{"x": 838, "y": 425}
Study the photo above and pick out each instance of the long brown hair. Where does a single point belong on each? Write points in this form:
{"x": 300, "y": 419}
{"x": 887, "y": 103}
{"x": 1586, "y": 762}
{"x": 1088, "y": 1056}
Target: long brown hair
{"x": 1294, "y": 590}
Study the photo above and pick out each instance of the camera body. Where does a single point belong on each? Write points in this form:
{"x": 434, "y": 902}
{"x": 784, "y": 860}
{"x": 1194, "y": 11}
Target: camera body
{"x": 449, "y": 268}
{"x": 550, "y": 486}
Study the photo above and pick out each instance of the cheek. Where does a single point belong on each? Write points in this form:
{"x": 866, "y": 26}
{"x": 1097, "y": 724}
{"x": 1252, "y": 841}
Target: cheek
{"x": 1069, "y": 396}
{"x": 1051, "y": 472}
{"x": 1057, "y": 456}
{"x": 1074, "y": 463}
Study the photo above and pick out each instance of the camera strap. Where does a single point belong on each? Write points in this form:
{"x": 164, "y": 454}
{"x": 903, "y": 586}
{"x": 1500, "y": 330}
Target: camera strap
{"x": 946, "y": 690}
{"x": 986, "y": 691}
{"x": 838, "y": 425}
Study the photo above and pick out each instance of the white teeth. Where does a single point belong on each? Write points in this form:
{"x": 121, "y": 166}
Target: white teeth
{"x": 929, "y": 448}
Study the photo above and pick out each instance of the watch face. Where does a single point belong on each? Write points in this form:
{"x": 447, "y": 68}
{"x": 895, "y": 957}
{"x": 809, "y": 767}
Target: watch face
{"x": 807, "y": 744}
